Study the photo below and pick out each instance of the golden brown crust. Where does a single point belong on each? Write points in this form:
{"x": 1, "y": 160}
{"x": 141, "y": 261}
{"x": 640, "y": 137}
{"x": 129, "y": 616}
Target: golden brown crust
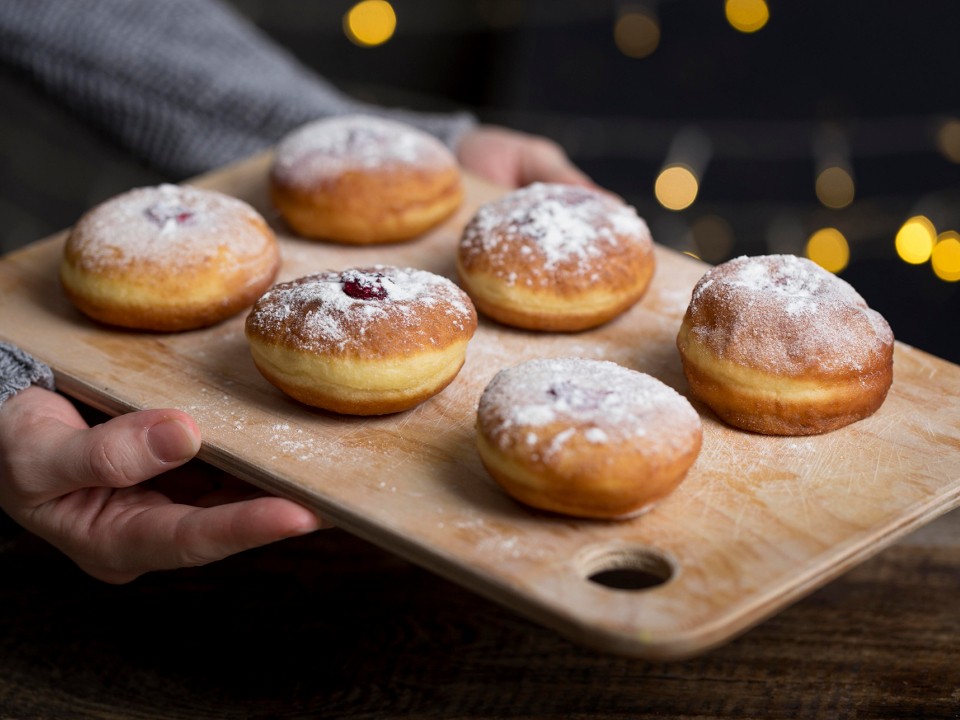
{"x": 585, "y": 438}
{"x": 362, "y": 341}
{"x": 168, "y": 258}
{"x": 555, "y": 257}
{"x": 777, "y": 345}
{"x": 363, "y": 180}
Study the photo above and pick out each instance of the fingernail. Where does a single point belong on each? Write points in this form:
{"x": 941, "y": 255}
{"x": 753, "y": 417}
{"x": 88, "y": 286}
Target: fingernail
{"x": 171, "y": 442}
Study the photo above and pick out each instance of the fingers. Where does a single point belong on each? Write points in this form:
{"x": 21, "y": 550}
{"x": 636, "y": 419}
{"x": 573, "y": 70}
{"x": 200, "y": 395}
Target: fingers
{"x": 514, "y": 159}
{"x": 172, "y": 536}
{"x": 82, "y": 489}
{"x": 48, "y": 450}
{"x": 545, "y": 161}
{"x": 121, "y": 452}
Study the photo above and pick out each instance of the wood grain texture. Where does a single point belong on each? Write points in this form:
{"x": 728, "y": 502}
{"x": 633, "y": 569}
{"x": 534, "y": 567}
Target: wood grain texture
{"x": 329, "y": 626}
{"x": 758, "y": 523}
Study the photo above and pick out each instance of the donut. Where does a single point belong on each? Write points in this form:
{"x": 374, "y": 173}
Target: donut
{"x": 777, "y": 345}
{"x": 362, "y": 341}
{"x": 168, "y": 258}
{"x": 555, "y": 257}
{"x": 585, "y": 438}
{"x": 360, "y": 179}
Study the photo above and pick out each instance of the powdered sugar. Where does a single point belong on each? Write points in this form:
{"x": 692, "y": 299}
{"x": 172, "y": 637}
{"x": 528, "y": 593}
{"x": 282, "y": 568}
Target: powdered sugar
{"x": 547, "y": 226}
{"x": 328, "y": 147}
{"x": 785, "y": 313}
{"x": 316, "y": 313}
{"x": 557, "y": 399}
{"x": 169, "y": 226}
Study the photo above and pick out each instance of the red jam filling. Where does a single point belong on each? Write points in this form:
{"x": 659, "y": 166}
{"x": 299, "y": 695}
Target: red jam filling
{"x": 577, "y": 397}
{"x": 162, "y": 213}
{"x": 363, "y": 286}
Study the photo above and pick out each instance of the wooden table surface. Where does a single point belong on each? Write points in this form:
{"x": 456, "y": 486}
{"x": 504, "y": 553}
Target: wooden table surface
{"x": 331, "y": 626}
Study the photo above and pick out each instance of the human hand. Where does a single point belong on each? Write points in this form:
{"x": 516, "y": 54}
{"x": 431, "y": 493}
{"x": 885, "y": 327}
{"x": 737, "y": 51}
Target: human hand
{"x": 513, "y": 159}
{"x": 119, "y": 499}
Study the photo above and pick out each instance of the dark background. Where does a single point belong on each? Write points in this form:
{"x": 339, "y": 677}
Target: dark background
{"x": 885, "y": 73}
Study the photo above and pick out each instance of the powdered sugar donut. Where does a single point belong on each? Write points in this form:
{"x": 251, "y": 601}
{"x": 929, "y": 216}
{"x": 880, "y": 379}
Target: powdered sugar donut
{"x": 555, "y": 257}
{"x": 360, "y": 179}
{"x": 778, "y": 345}
{"x": 168, "y": 258}
{"x": 364, "y": 341}
{"x": 588, "y": 438}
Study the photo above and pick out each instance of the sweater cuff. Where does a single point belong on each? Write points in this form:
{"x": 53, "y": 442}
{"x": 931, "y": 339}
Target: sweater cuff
{"x": 18, "y": 371}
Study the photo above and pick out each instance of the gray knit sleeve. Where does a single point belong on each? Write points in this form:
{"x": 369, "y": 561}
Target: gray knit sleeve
{"x": 18, "y": 371}
{"x": 187, "y": 85}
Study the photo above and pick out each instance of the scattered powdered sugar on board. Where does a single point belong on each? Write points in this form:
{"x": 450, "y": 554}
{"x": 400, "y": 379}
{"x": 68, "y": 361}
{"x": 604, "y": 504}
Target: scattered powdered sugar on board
{"x": 168, "y": 226}
{"x": 556, "y": 399}
{"x": 785, "y": 314}
{"x": 548, "y": 224}
{"x": 317, "y": 313}
{"x": 328, "y": 147}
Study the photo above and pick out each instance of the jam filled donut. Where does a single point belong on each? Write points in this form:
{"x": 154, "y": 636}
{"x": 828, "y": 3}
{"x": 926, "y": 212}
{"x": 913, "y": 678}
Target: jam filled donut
{"x": 168, "y": 258}
{"x": 555, "y": 257}
{"x": 359, "y": 179}
{"x": 587, "y": 438}
{"x": 778, "y": 345}
{"x": 364, "y": 341}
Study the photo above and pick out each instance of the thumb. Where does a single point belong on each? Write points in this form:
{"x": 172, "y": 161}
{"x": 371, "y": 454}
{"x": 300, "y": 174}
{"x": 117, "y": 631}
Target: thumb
{"x": 123, "y": 451}
{"x": 548, "y": 163}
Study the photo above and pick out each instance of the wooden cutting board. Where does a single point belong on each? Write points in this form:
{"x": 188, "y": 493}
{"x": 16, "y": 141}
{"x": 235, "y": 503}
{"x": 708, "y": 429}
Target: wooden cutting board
{"x": 758, "y": 523}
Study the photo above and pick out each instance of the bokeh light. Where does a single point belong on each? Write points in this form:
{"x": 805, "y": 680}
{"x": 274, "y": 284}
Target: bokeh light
{"x": 747, "y": 16}
{"x": 915, "y": 240}
{"x": 676, "y": 187}
{"x": 370, "y": 22}
{"x": 945, "y": 257}
{"x": 712, "y": 237}
{"x": 636, "y": 34}
{"x": 829, "y": 249}
{"x": 834, "y": 187}
{"x": 948, "y": 139}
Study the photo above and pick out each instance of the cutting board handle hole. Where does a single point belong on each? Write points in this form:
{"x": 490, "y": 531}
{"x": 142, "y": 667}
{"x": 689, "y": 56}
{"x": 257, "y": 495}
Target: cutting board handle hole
{"x": 637, "y": 568}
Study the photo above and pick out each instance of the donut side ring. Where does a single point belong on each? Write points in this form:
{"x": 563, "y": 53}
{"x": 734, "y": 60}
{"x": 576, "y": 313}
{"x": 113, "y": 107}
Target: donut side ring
{"x": 555, "y": 258}
{"x": 363, "y": 180}
{"x": 585, "y": 438}
{"x": 779, "y": 346}
{"x": 168, "y": 259}
{"x": 364, "y": 341}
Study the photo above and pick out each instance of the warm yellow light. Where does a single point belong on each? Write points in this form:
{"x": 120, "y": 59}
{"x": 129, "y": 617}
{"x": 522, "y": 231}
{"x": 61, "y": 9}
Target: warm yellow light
{"x": 828, "y": 248}
{"x": 713, "y": 238}
{"x": 370, "y": 22}
{"x": 636, "y": 34}
{"x": 676, "y": 187}
{"x": 948, "y": 140}
{"x": 915, "y": 239}
{"x": 747, "y": 15}
{"x": 945, "y": 257}
{"x": 834, "y": 187}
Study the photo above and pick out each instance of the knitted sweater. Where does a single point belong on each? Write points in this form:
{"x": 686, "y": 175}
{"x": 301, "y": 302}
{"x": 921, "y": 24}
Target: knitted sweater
{"x": 186, "y": 85}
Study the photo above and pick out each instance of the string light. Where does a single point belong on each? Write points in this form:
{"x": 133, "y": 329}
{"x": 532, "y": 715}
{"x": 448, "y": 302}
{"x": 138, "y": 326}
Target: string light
{"x": 676, "y": 187}
{"x": 915, "y": 240}
{"x": 747, "y": 16}
{"x": 829, "y": 249}
{"x": 636, "y": 32}
{"x": 370, "y": 22}
{"x": 945, "y": 257}
{"x": 834, "y": 187}
{"x": 712, "y": 237}
{"x": 948, "y": 139}
{"x": 678, "y": 182}
{"x": 834, "y": 184}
